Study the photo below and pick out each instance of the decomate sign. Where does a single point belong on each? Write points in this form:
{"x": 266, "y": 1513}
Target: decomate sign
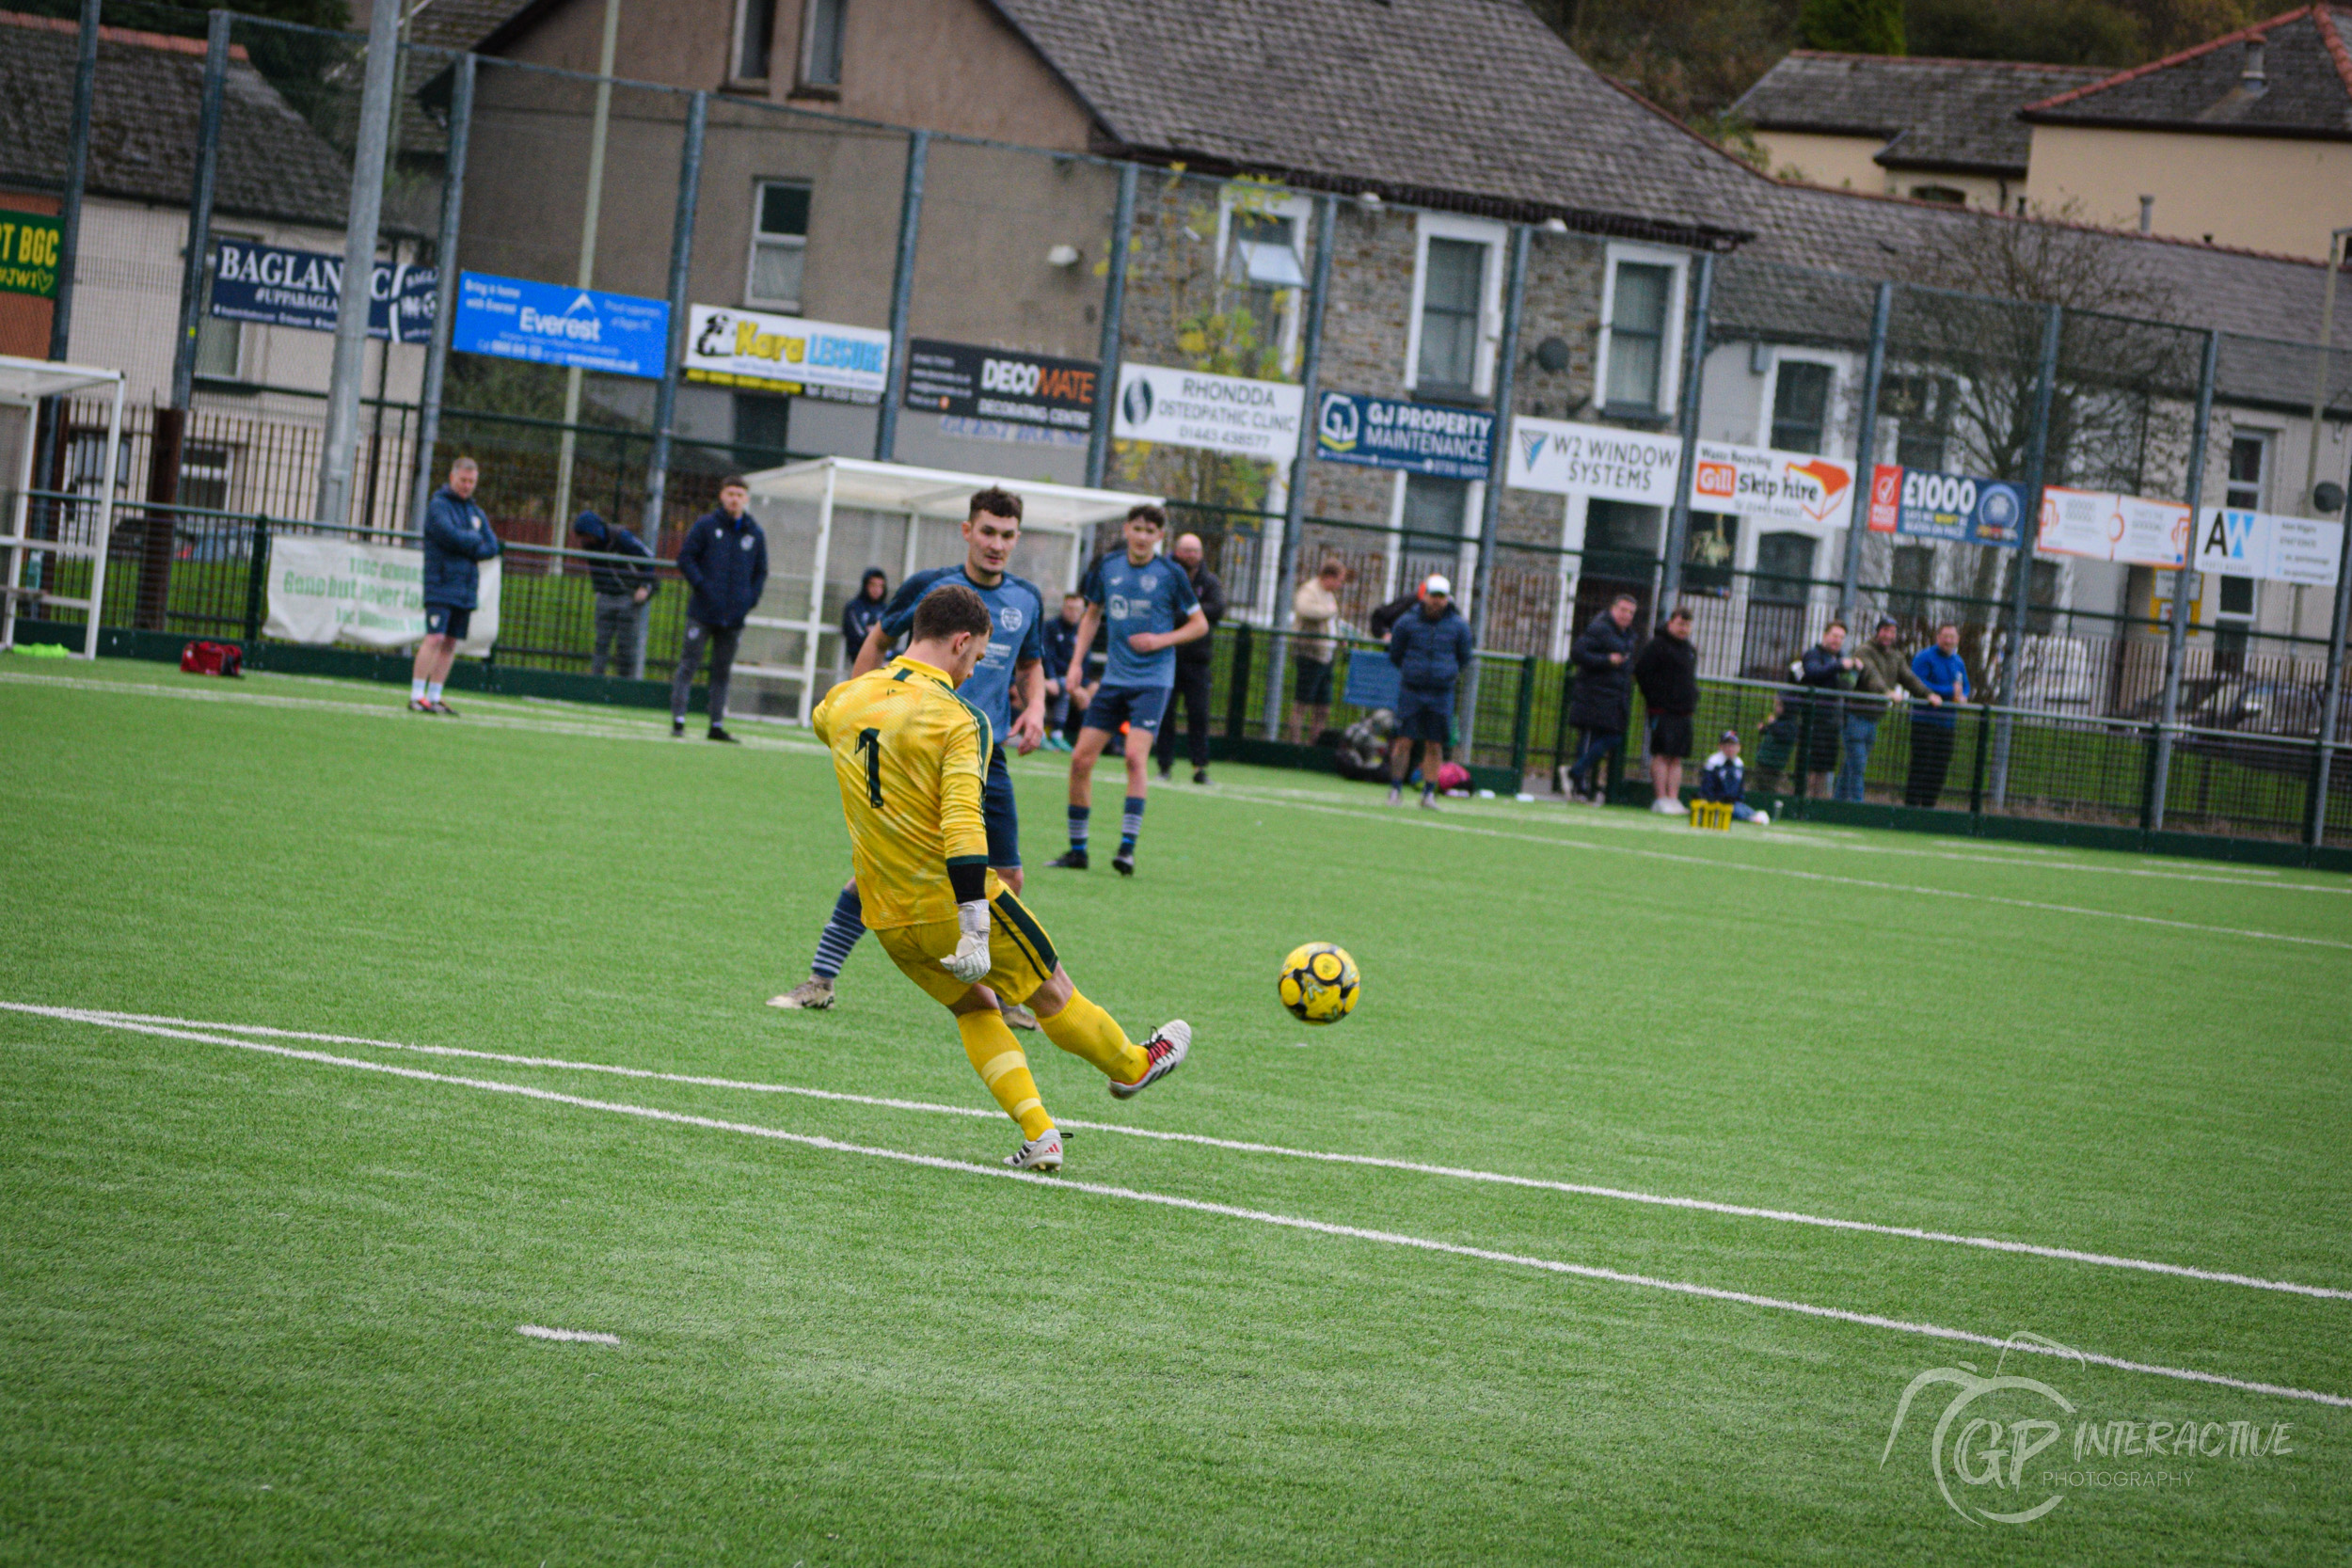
{"x": 326, "y": 589}
{"x": 1220, "y": 413}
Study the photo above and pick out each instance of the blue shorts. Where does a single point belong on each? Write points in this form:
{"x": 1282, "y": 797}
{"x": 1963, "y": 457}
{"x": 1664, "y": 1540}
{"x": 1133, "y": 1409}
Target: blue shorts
{"x": 442, "y": 619}
{"x": 1424, "y": 715}
{"x": 997, "y": 811}
{"x": 1136, "y": 706}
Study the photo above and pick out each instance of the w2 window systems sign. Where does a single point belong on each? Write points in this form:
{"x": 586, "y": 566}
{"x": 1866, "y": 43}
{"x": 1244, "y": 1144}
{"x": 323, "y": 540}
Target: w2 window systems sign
{"x": 1923, "y": 504}
{"x": 985, "y": 390}
{"x": 273, "y": 286}
{"x": 1230, "y": 414}
{"x": 2235, "y": 544}
{"x": 1791, "y": 487}
{"x": 512, "y": 318}
{"x": 2101, "y": 525}
{"x": 728, "y": 347}
{"x": 1418, "y": 438}
{"x": 1593, "y": 460}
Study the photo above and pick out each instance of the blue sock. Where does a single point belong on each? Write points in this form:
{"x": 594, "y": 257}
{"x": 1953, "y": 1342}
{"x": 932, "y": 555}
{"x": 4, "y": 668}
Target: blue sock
{"x": 1078, "y": 815}
{"x": 847, "y": 923}
{"x": 1130, "y": 824}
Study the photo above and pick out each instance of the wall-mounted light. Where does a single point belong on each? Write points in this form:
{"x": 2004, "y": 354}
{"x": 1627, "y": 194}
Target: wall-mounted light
{"x": 1554, "y": 226}
{"x": 1369, "y": 198}
{"x": 1062, "y": 256}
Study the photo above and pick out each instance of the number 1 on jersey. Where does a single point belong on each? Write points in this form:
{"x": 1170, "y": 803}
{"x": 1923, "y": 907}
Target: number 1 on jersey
{"x": 869, "y": 741}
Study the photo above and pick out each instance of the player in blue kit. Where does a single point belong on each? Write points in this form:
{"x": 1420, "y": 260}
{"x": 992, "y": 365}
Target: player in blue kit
{"x": 1007, "y": 687}
{"x": 1144, "y": 606}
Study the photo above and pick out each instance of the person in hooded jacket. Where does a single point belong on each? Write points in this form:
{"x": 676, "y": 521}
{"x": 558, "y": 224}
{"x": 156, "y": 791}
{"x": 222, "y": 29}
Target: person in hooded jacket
{"x": 624, "y": 590}
{"x": 1600, "y": 704}
{"x": 862, "y": 614}
{"x": 457, "y": 539}
{"x": 724, "y": 561}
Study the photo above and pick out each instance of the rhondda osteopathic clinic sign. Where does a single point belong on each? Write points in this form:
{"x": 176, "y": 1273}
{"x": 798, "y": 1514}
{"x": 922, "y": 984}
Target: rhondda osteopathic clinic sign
{"x": 1220, "y": 413}
{"x": 1593, "y": 460}
{"x": 331, "y": 590}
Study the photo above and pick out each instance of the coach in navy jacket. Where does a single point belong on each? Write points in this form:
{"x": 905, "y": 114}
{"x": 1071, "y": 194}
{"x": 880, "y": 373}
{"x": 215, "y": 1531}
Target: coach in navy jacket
{"x": 457, "y": 539}
{"x": 1430, "y": 652}
{"x": 725, "y": 559}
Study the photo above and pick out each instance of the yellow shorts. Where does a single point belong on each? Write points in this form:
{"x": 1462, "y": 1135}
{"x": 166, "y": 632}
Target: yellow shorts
{"x": 1021, "y": 955}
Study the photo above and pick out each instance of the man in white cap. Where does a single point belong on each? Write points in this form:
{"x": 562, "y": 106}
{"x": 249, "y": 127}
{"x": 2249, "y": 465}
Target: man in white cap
{"x": 1430, "y": 647}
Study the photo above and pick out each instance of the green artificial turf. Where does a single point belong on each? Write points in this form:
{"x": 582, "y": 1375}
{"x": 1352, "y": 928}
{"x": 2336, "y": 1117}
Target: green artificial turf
{"x": 256, "y": 1308}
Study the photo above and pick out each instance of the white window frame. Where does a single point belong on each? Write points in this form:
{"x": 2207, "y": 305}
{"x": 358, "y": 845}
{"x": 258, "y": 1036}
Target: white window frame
{"x": 1448, "y": 225}
{"x": 750, "y": 254}
{"x": 1299, "y": 210}
{"x": 1832, "y": 425}
{"x": 735, "y": 52}
{"x": 1670, "y": 351}
{"x": 244, "y": 339}
{"x": 807, "y": 51}
{"x": 2270, "y": 440}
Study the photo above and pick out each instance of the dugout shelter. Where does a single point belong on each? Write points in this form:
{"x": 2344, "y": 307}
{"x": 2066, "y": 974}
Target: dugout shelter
{"x": 77, "y": 530}
{"x": 828, "y": 518}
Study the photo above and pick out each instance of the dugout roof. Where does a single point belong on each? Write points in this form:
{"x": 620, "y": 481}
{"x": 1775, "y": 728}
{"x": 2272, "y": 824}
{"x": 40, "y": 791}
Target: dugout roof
{"x": 25, "y": 381}
{"x": 940, "y": 493}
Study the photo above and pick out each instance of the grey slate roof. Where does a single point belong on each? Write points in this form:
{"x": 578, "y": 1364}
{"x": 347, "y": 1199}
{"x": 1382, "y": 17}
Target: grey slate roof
{"x": 2305, "y": 88}
{"x": 1934, "y": 114}
{"x": 458, "y": 25}
{"x": 1449, "y": 103}
{"x": 143, "y": 125}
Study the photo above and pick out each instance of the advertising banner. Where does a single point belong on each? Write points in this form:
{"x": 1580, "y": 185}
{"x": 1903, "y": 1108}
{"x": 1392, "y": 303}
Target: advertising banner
{"x": 1419, "y": 437}
{"x": 1786, "y": 487}
{"x": 29, "y": 246}
{"x": 729, "y": 347}
{"x": 1593, "y": 460}
{"x": 2264, "y": 544}
{"x": 982, "y": 390}
{"x": 269, "y": 285}
{"x": 333, "y": 590}
{"x": 1962, "y": 509}
{"x": 513, "y": 318}
{"x": 2103, "y": 526}
{"x": 1220, "y": 413}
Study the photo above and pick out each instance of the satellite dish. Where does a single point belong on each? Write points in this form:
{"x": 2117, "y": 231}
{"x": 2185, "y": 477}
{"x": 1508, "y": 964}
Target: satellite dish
{"x": 2327, "y": 496}
{"x": 1552, "y": 355}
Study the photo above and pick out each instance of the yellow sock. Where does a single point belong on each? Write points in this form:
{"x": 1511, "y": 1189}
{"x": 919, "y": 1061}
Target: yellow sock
{"x": 1086, "y": 1031}
{"x": 1004, "y": 1069}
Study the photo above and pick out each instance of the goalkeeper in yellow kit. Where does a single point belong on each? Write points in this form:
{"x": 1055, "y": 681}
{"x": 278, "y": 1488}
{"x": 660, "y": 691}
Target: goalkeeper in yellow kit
{"x": 911, "y": 757}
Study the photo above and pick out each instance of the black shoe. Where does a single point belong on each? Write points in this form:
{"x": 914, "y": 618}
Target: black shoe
{"x": 677, "y": 729}
{"x": 1199, "y": 775}
{"x": 1125, "y": 862}
{"x": 1166, "y": 769}
{"x": 1071, "y": 860}
{"x": 718, "y": 734}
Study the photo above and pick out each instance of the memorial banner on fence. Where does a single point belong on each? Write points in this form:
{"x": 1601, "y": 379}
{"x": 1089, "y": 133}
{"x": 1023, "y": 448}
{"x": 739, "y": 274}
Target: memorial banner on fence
{"x": 993, "y": 394}
{"x": 1961, "y": 509}
{"x": 271, "y": 285}
{"x": 30, "y": 244}
{"x": 513, "y": 318}
{"x": 2239, "y": 544}
{"x": 1593, "y": 460}
{"x": 1418, "y": 438}
{"x": 2101, "y": 525}
{"x": 1230, "y": 414}
{"x": 329, "y": 589}
{"x": 730, "y": 347}
{"x": 1789, "y": 487}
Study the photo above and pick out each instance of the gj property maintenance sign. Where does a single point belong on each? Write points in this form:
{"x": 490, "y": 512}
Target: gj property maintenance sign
{"x": 513, "y": 318}
{"x": 28, "y": 254}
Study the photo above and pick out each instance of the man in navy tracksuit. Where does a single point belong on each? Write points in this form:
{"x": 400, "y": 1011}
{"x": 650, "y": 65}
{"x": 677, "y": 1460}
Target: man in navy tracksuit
{"x": 457, "y": 539}
{"x": 1430, "y": 646}
{"x": 724, "y": 561}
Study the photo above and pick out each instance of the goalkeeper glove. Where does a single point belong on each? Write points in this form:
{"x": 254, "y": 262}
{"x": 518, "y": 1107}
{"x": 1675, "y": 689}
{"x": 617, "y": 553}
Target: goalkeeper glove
{"x": 970, "y": 961}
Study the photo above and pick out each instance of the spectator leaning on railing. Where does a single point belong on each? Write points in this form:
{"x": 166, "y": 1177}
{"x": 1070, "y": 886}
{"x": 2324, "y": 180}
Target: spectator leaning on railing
{"x": 1667, "y": 672}
{"x": 624, "y": 590}
{"x": 1827, "y": 671}
{"x": 1314, "y": 607}
{"x": 725, "y": 559}
{"x": 1600, "y": 703}
{"x": 1886, "y": 674}
{"x": 1945, "y": 674}
{"x": 457, "y": 539}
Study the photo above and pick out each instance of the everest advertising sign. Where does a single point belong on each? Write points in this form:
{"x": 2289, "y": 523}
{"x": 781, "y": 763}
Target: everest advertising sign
{"x": 1593, "y": 460}
{"x": 513, "y": 318}
{"x": 1793, "y": 489}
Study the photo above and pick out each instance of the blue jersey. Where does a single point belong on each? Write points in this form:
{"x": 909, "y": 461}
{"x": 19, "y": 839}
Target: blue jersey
{"x": 1018, "y": 611}
{"x": 1155, "y": 597}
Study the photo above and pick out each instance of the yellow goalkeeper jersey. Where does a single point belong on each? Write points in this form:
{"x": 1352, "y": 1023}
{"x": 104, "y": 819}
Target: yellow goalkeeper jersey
{"x": 911, "y": 758}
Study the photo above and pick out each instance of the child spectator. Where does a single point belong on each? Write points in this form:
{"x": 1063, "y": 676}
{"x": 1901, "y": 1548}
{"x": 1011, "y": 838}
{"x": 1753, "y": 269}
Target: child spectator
{"x": 1723, "y": 779}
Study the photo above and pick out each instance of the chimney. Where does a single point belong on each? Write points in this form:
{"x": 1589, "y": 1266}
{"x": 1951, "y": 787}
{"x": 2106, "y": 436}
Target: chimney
{"x": 2147, "y": 215}
{"x": 2253, "y": 80}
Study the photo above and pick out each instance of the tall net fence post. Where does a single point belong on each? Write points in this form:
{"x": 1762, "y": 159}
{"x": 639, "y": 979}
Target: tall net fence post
{"x": 1490, "y": 512}
{"x": 681, "y": 265}
{"x": 1678, "y": 514}
{"x": 2037, "y": 464}
{"x": 1866, "y": 456}
{"x": 1114, "y": 310}
{"x": 2331, "y": 702}
{"x": 2185, "y": 586}
{"x": 902, "y": 294}
{"x": 69, "y": 237}
{"x": 444, "y": 287}
{"x": 363, "y": 215}
{"x": 1295, "y": 516}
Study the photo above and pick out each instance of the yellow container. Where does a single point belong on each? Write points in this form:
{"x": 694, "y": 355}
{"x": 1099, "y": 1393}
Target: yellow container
{"x": 1715, "y": 815}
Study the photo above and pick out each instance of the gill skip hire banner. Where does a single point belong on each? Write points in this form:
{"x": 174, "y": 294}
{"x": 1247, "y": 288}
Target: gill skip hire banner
{"x": 328, "y": 589}
{"x": 1794, "y": 489}
{"x": 1593, "y": 460}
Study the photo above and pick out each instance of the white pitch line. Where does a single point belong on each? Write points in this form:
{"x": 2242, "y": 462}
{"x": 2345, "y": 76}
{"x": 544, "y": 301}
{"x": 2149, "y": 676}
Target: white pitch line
{"x": 1258, "y": 1216}
{"x": 1456, "y": 1173}
{"x": 581, "y": 1334}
